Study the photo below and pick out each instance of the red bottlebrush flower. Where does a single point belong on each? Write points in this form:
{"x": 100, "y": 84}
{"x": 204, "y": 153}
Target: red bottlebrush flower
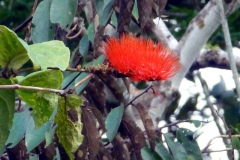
{"x": 141, "y": 59}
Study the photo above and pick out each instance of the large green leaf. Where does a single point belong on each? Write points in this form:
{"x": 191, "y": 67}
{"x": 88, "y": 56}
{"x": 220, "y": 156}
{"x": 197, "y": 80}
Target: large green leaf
{"x": 113, "y": 121}
{"x": 7, "y": 105}
{"x": 42, "y": 29}
{"x": 18, "y": 130}
{"x": 50, "y": 54}
{"x": 12, "y": 51}
{"x": 185, "y": 137}
{"x": 35, "y": 136}
{"x": 69, "y": 123}
{"x": 176, "y": 148}
{"x": 63, "y": 12}
{"x": 104, "y": 11}
{"x": 43, "y": 103}
{"x": 162, "y": 151}
{"x": 148, "y": 154}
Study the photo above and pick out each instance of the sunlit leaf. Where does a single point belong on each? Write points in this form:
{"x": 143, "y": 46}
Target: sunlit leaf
{"x": 13, "y": 53}
{"x": 7, "y": 105}
{"x": 50, "y": 54}
{"x": 69, "y": 123}
{"x": 235, "y": 143}
{"x": 43, "y": 103}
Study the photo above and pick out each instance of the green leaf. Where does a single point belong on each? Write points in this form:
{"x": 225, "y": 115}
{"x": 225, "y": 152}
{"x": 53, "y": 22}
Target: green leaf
{"x": 50, "y": 54}
{"x": 196, "y": 123}
{"x": 185, "y": 137}
{"x": 34, "y": 137}
{"x": 68, "y": 79}
{"x": 13, "y": 53}
{"x": 148, "y": 154}
{"x": 176, "y": 148}
{"x": 33, "y": 157}
{"x": 238, "y": 128}
{"x": 18, "y": 130}
{"x": 69, "y": 123}
{"x": 83, "y": 45}
{"x": 105, "y": 14}
{"x": 63, "y": 12}
{"x": 42, "y": 29}
{"x": 135, "y": 10}
{"x": 162, "y": 151}
{"x": 235, "y": 143}
{"x": 90, "y": 32}
{"x": 7, "y": 105}
{"x": 113, "y": 121}
{"x": 114, "y": 19}
{"x": 42, "y": 102}
{"x": 49, "y": 135}
{"x": 99, "y": 60}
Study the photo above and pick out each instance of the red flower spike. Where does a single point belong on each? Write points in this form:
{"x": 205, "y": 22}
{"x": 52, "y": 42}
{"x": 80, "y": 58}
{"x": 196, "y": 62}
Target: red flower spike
{"x": 141, "y": 59}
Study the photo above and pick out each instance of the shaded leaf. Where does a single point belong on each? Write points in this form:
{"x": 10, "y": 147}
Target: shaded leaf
{"x": 113, "y": 121}
{"x": 90, "y": 132}
{"x": 13, "y": 53}
{"x": 50, "y": 54}
{"x": 238, "y": 128}
{"x": 7, "y": 105}
{"x": 69, "y": 129}
{"x": 148, "y": 125}
{"x": 136, "y": 136}
{"x": 42, "y": 29}
{"x": 63, "y": 12}
{"x": 104, "y": 9}
{"x": 135, "y": 10}
{"x": 120, "y": 148}
{"x": 185, "y": 137}
{"x": 162, "y": 151}
{"x": 148, "y": 154}
{"x": 176, "y": 148}
{"x": 83, "y": 45}
{"x": 43, "y": 103}
{"x": 69, "y": 81}
{"x": 235, "y": 143}
{"x": 90, "y": 32}
{"x": 35, "y": 136}
{"x": 20, "y": 123}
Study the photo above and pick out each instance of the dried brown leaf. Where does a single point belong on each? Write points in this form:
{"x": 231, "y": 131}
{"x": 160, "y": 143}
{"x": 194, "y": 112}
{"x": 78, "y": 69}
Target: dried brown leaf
{"x": 103, "y": 153}
{"x": 110, "y": 82}
{"x": 136, "y": 136}
{"x": 82, "y": 150}
{"x": 95, "y": 93}
{"x": 100, "y": 119}
{"x": 91, "y": 134}
{"x": 145, "y": 13}
{"x": 148, "y": 125}
{"x": 120, "y": 148}
{"x": 124, "y": 15}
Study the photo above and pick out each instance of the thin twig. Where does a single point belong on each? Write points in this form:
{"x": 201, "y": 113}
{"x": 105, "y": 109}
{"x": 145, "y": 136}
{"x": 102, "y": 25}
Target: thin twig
{"x": 29, "y": 24}
{"x": 74, "y": 36}
{"x": 24, "y": 24}
{"x": 145, "y": 91}
{"x": 175, "y": 123}
{"x": 221, "y": 150}
{"x": 220, "y": 136}
{"x": 17, "y": 86}
{"x": 228, "y": 45}
{"x": 83, "y": 80}
{"x": 215, "y": 113}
